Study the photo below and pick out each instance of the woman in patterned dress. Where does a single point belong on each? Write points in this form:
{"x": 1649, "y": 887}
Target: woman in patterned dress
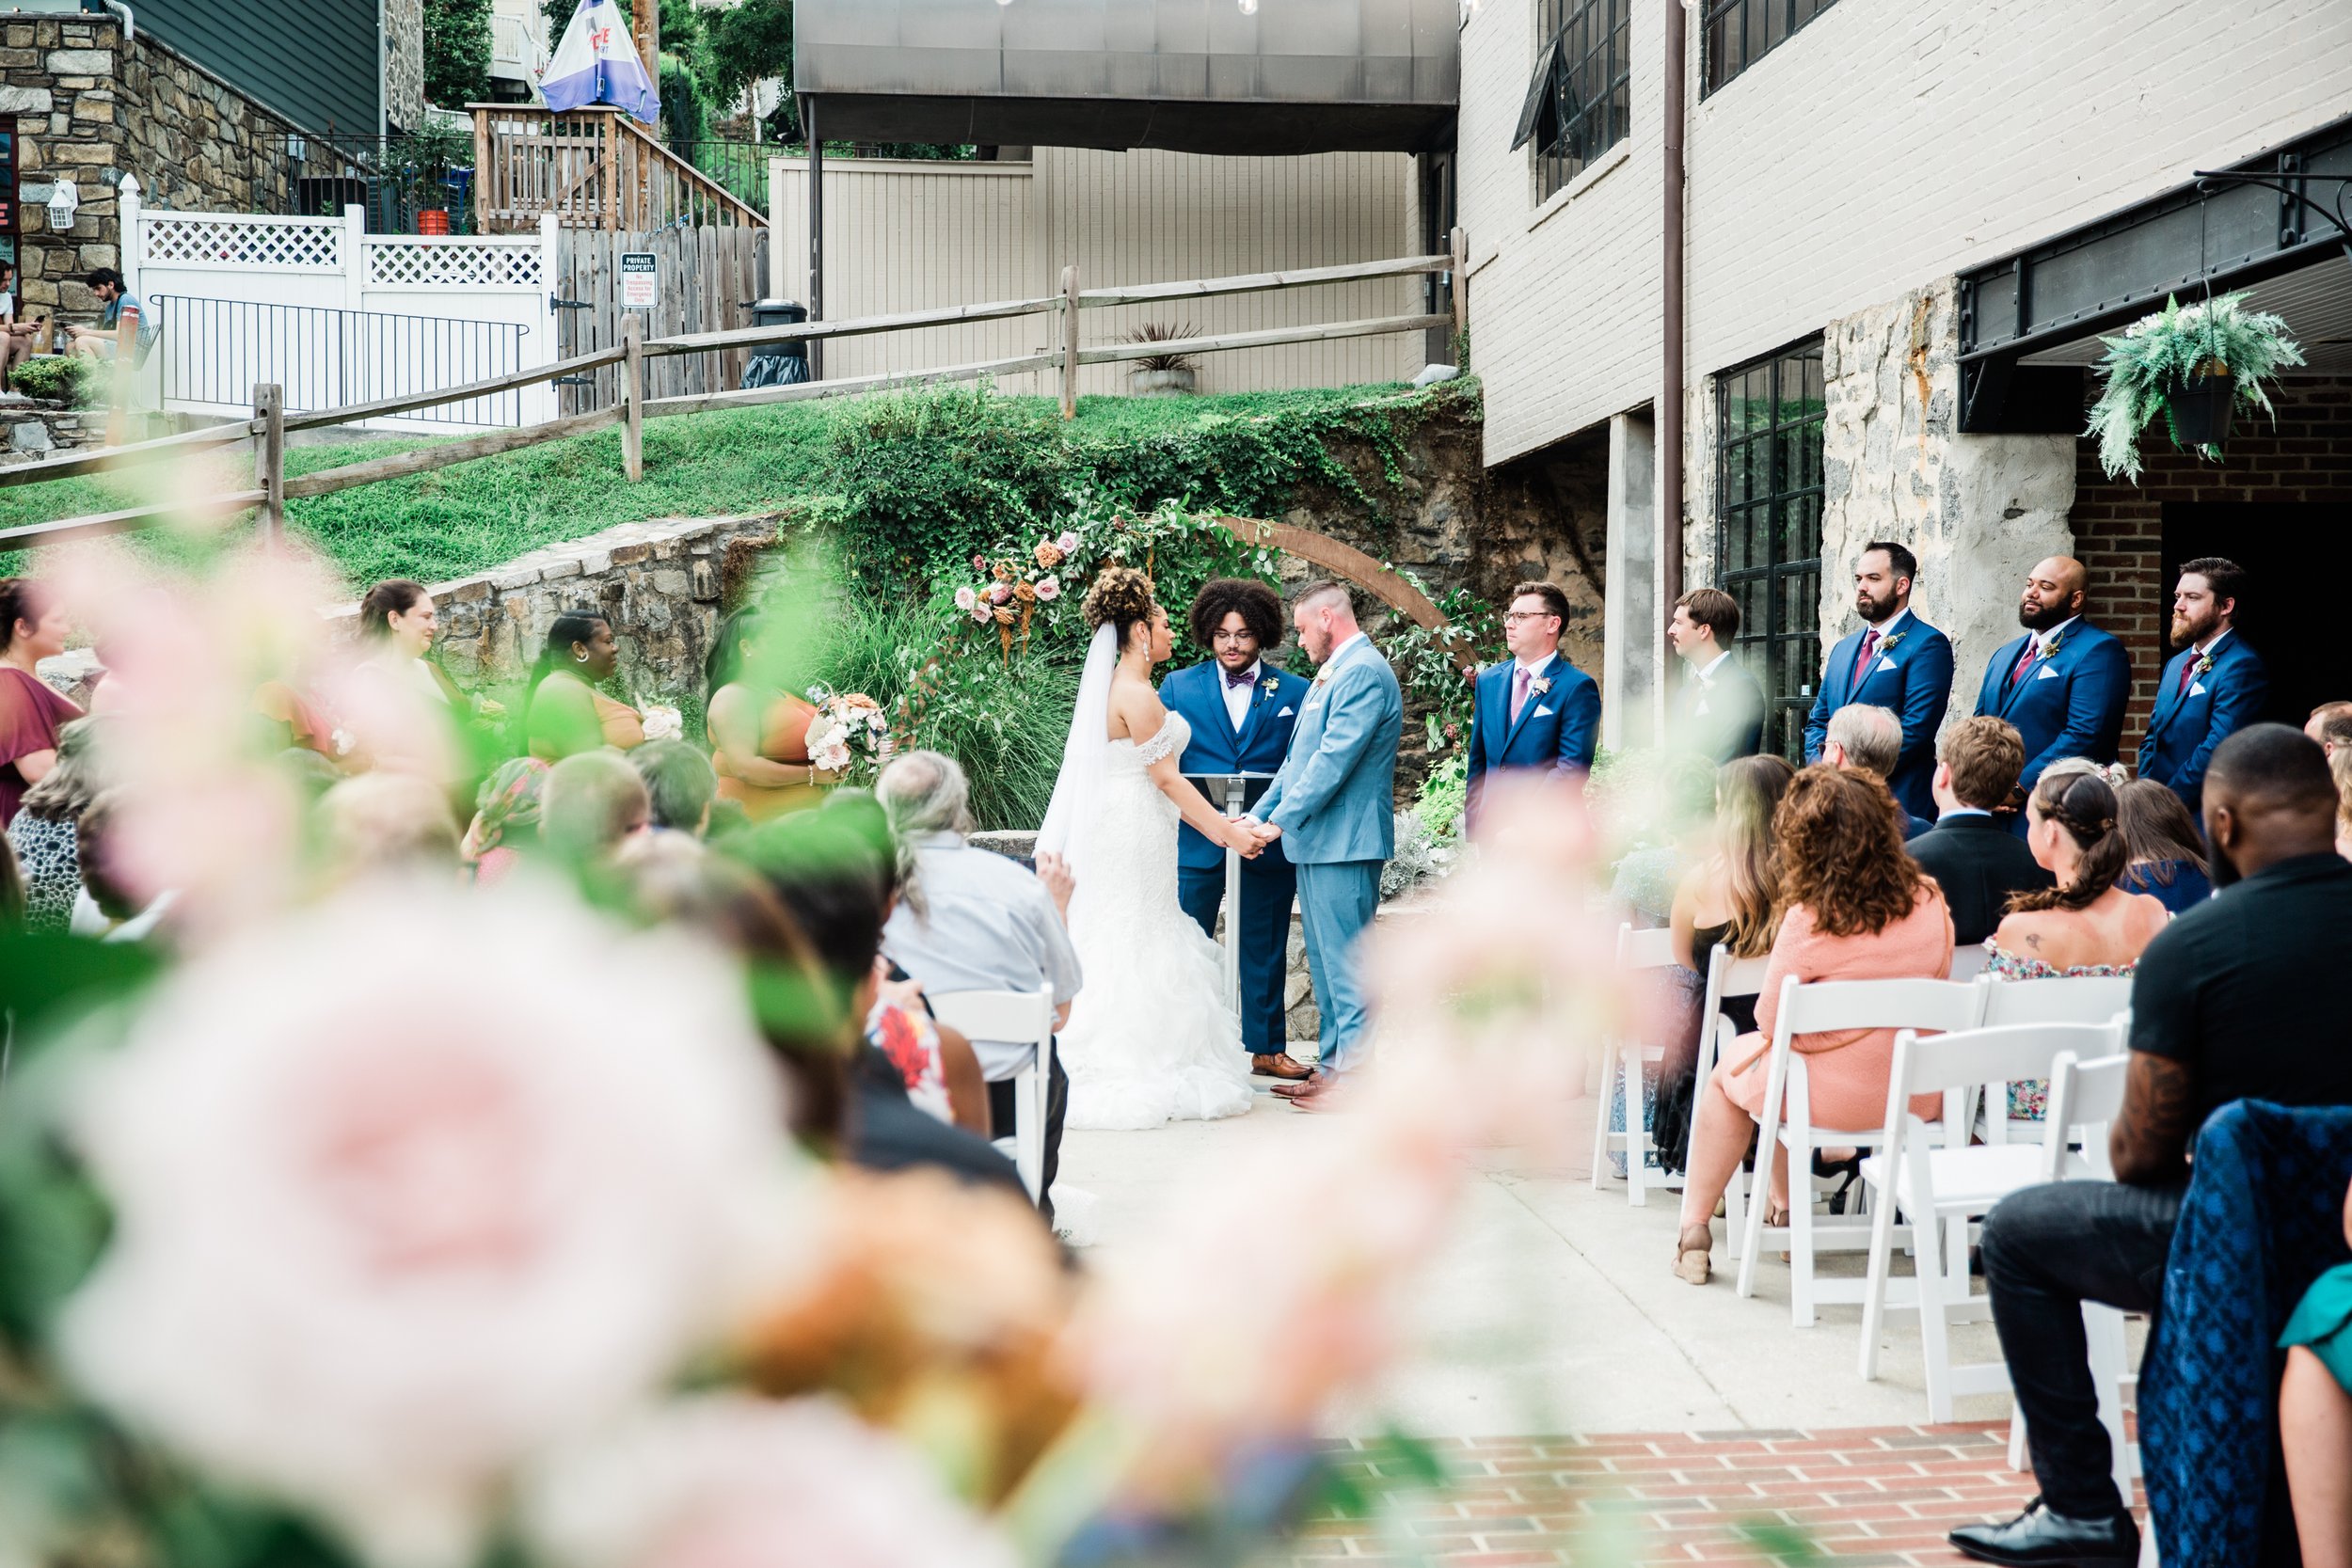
{"x": 2085, "y": 925}
{"x": 43, "y": 835}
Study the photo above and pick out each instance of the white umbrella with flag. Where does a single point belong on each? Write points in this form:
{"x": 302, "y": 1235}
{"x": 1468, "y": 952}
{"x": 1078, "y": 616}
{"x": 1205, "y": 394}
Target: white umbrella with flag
{"x": 596, "y": 62}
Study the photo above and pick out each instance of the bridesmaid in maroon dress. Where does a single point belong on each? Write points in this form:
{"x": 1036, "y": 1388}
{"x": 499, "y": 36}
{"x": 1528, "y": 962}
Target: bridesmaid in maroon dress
{"x": 32, "y": 629}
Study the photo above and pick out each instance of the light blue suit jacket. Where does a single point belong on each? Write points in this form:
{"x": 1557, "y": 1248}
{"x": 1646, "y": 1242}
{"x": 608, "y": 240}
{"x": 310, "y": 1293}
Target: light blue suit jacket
{"x": 1334, "y": 797}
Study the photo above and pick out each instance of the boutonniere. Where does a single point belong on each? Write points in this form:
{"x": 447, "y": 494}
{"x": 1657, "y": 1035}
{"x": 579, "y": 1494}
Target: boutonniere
{"x": 2205, "y": 664}
{"x": 1269, "y": 686}
{"x": 2049, "y": 649}
{"x": 1540, "y": 684}
{"x": 1887, "y": 643}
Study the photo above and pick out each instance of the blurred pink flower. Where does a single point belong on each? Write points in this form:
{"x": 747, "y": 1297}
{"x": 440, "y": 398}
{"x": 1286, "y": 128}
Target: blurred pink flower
{"x": 1000, "y": 593}
{"x": 414, "y": 1185}
{"x": 1049, "y": 589}
{"x": 966, "y": 598}
{"x": 1067, "y": 543}
{"x": 735, "y": 1481}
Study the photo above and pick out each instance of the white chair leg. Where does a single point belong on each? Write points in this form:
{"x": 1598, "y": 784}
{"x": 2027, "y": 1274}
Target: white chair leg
{"x": 2019, "y": 1460}
{"x": 1801, "y": 1309}
{"x": 1759, "y": 1198}
{"x": 1600, "y": 1113}
{"x": 1028, "y": 1132}
{"x": 1935, "y": 1342}
{"x": 2103, "y": 1328}
{"x": 1636, "y": 1135}
{"x": 1874, "y": 1285}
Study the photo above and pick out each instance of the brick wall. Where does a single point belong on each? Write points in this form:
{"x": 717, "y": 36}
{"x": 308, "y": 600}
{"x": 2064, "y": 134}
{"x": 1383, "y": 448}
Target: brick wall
{"x": 2118, "y": 527}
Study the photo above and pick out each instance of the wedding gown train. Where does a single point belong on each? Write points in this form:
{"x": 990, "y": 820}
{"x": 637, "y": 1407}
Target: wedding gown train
{"x": 1149, "y": 1038}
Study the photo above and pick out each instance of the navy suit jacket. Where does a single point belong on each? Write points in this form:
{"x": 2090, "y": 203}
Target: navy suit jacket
{"x": 2070, "y": 703}
{"x": 1914, "y": 678}
{"x": 1732, "y": 722}
{"x": 2187, "y": 725}
{"x": 1197, "y": 692}
{"x": 1558, "y": 729}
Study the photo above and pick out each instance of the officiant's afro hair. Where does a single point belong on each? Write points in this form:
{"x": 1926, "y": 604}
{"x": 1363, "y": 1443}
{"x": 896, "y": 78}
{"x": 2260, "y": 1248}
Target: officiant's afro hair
{"x": 1259, "y": 606}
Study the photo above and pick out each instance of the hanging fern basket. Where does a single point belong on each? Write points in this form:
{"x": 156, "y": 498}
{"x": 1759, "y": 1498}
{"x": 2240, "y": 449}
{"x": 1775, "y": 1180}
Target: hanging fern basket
{"x": 2201, "y": 407}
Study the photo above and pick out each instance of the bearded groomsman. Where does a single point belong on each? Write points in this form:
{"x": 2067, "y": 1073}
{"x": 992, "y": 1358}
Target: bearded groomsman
{"x": 2215, "y": 685}
{"x": 1241, "y": 711}
{"x": 2063, "y": 685}
{"x": 1535, "y": 711}
{"x": 1896, "y": 661}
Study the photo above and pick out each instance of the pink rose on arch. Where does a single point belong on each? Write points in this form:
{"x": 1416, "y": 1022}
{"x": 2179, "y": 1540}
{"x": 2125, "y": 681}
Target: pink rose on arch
{"x": 1067, "y": 543}
{"x": 979, "y": 563}
{"x": 1049, "y": 589}
{"x": 982, "y": 613}
{"x": 390, "y": 1222}
{"x": 966, "y": 598}
{"x": 1000, "y": 593}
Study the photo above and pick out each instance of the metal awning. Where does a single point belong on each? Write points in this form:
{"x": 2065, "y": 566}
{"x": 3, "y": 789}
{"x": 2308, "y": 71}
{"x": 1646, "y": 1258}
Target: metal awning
{"x": 1186, "y": 75}
{"x": 2027, "y": 322}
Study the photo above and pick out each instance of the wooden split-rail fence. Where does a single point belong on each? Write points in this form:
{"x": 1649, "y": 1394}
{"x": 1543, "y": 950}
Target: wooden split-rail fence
{"x": 269, "y": 426}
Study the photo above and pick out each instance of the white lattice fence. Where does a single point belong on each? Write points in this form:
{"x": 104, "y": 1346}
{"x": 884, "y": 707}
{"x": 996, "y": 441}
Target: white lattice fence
{"x": 216, "y": 240}
{"x": 455, "y": 263}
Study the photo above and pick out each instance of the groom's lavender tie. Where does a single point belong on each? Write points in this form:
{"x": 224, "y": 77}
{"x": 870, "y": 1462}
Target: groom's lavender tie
{"x": 1519, "y": 692}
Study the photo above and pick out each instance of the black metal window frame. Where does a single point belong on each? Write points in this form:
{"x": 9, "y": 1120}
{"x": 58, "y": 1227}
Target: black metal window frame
{"x": 1580, "y": 102}
{"x": 1739, "y": 33}
{"x": 1768, "y": 419}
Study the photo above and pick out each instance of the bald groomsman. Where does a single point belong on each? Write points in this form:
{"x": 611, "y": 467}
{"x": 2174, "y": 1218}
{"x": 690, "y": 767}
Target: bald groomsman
{"x": 2063, "y": 685}
{"x": 1896, "y": 661}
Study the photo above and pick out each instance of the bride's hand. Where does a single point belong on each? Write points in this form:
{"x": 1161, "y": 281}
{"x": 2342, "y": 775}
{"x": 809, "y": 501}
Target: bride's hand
{"x": 1243, "y": 840}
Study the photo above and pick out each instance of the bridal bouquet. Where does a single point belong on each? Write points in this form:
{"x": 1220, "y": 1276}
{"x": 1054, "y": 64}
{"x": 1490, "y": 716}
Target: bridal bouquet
{"x": 852, "y": 734}
{"x": 663, "y": 721}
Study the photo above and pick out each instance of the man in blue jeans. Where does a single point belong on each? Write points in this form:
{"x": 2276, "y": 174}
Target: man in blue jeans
{"x": 2235, "y": 1000}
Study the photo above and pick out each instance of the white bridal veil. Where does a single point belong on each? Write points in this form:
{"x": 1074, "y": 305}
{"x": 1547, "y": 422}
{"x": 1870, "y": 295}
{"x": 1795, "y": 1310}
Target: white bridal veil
{"x": 1078, "y": 788}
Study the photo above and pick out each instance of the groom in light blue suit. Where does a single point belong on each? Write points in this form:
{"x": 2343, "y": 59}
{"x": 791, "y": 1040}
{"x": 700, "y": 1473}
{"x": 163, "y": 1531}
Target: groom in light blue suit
{"x": 1332, "y": 807}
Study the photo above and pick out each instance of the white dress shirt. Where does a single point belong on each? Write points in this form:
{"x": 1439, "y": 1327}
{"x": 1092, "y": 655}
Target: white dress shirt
{"x": 1237, "y": 697}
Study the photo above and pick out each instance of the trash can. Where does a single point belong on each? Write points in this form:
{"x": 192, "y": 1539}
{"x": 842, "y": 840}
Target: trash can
{"x": 777, "y": 364}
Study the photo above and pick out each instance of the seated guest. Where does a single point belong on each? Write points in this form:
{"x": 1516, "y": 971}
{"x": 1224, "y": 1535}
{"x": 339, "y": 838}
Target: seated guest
{"x": 33, "y": 626}
{"x": 1855, "y": 907}
{"x": 1682, "y": 792}
{"x": 1976, "y": 862}
{"x": 758, "y": 730}
{"x": 109, "y": 908}
{"x": 2315, "y": 1414}
{"x": 386, "y": 822}
{"x": 1728, "y": 900}
{"x": 564, "y": 713}
{"x": 2340, "y": 769}
{"x": 825, "y": 871}
{"x": 590, "y": 806}
{"x": 977, "y": 921}
{"x": 2330, "y": 724}
{"x": 505, "y": 820}
{"x": 2166, "y": 853}
{"x": 43, "y": 834}
{"x": 1870, "y": 738}
{"x": 679, "y": 785}
{"x": 2228, "y": 1002}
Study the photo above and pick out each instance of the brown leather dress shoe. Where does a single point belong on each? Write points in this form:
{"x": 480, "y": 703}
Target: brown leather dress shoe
{"x": 1293, "y": 1091}
{"x": 1323, "y": 1094}
{"x": 1281, "y": 1064}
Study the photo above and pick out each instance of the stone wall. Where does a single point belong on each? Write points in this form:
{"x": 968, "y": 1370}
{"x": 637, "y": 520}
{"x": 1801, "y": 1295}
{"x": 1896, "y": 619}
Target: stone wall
{"x": 662, "y": 582}
{"x": 404, "y": 64}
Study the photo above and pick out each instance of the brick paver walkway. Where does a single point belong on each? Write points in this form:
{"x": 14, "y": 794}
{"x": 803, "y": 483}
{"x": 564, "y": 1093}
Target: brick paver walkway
{"x": 1854, "y": 1495}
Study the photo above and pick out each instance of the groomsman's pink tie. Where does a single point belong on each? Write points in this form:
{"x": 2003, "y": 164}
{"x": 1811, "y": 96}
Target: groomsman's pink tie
{"x": 1861, "y": 661}
{"x": 1519, "y": 692}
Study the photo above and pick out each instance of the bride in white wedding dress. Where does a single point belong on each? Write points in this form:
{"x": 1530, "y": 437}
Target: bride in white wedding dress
{"x": 1149, "y": 1038}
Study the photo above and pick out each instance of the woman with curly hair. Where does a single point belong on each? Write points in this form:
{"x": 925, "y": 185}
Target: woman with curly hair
{"x": 1149, "y": 1038}
{"x": 1853, "y": 906}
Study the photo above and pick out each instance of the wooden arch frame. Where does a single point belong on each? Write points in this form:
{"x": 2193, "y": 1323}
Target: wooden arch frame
{"x": 1385, "y": 583}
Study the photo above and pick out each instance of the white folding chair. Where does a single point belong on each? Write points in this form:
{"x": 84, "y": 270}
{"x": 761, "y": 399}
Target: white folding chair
{"x": 1014, "y": 1016}
{"x": 2085, "y": 1099}
{"x": 2057, "y": 999}
{"x": 1786, "y": 1118}
{"x": 1941, "y": 1190}
{"x": 1648, "y": 949}
{"x": 1726, "y": 978}
{"x": 1968, "y": 961}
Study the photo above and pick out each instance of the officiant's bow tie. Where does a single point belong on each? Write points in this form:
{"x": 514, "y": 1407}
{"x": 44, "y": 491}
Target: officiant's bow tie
{"x": 1240, "y": 678}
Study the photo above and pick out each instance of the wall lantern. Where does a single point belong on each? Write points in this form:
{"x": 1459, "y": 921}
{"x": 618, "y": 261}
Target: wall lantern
{"x": 64, "y": 202}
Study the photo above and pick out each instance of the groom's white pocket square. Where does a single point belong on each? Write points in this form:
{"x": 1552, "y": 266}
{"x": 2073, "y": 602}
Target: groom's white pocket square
{"x": 1285, "y": 713}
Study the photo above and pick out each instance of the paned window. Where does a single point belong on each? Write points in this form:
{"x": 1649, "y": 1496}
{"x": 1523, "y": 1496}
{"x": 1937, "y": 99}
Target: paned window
{"x": 1768, "y": 514}
{"x": 1579, "y": 103}
{"x": 1741, "y": 32}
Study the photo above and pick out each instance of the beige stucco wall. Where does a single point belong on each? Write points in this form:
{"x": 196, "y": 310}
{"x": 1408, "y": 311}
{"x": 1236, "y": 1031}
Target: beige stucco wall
{"x": 915, "y": 235}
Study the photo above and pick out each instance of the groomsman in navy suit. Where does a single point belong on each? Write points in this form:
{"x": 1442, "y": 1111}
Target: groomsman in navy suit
{"x": 1241, "y": 711}
{"x": 2215, "y": 685}
{"x": 2062, "y": 686}
{"x": 1535, "y": 711}
{"x": 1719, "y": 713}
{"x": 1896, "y": 661}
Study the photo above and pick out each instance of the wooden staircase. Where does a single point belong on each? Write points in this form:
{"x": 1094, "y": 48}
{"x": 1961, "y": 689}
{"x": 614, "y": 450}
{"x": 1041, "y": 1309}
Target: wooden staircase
{"x": 592, "y": 168}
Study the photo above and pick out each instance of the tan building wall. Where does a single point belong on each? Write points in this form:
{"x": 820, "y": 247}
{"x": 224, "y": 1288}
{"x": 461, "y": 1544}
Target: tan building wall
{"x": 916, "y": 236}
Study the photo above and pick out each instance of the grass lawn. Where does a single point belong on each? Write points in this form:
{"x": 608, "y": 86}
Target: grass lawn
{"x": 474, "y": 515}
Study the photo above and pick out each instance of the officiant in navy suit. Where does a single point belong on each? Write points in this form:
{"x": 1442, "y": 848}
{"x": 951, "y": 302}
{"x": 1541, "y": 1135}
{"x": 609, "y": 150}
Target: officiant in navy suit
{"x": 1896, "y": 661}
{"x": 1534, "y": 711}
{"x": 1241, "y": 711}
{"x": 2062, "y": 686}
{"x": 2214, "y": 687}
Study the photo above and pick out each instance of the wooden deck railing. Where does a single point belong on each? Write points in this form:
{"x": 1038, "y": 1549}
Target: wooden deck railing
{"x": 592, "y": 168}
{"x": 271, "y": 487}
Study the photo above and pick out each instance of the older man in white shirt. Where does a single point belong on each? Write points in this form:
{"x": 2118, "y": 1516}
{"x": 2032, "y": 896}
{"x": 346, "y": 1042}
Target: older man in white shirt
{"x": 973, "y": 920}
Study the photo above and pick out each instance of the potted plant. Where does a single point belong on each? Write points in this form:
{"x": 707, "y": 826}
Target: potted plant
{"x": 1162, "y": 375}
{"x": 2193, "y": 365}
{"x": 421, "y": 166}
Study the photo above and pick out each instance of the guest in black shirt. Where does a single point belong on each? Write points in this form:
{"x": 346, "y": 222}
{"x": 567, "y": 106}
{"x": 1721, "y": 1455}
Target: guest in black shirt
{"x": 2235, "y": 999}
{"x": 1970, "y": 852}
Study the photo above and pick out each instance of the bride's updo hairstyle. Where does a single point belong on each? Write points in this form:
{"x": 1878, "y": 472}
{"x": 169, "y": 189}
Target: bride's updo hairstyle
{"x": 1120, "y": 599}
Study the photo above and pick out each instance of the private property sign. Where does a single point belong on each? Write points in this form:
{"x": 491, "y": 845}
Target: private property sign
{"x": 640, "y": 280}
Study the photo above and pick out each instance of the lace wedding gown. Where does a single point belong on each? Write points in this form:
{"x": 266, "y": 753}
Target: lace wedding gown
{"x": 1149, "y": 1038}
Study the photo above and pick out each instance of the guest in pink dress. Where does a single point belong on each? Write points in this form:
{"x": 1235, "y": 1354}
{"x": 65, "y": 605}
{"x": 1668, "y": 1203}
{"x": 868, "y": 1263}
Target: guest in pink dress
{"x": 1855, "y": 907}
{"x": 32, "y": 627}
